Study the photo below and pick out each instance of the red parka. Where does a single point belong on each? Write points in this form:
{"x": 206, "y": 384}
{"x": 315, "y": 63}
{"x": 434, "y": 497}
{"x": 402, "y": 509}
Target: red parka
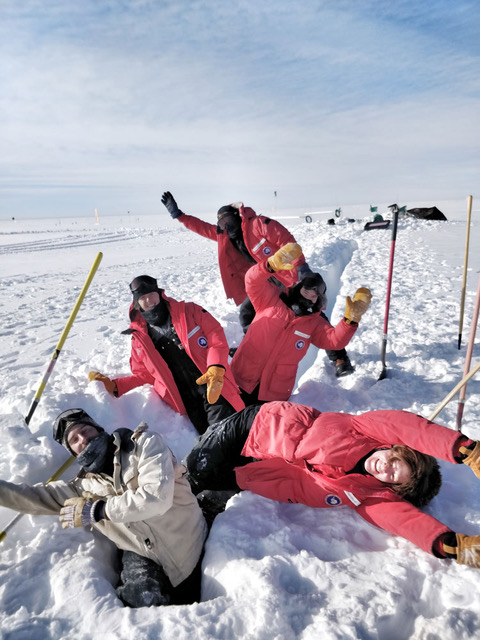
{"x": 303, "y": 456}
{"x": 262, "y": 236}
{"x": 204, "y": 341}
{"x": 277, "y": 339}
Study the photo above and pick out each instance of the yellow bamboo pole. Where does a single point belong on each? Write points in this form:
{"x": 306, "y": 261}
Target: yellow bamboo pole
{"x": 46, "y": 376}
{"x": 63, "y": 337}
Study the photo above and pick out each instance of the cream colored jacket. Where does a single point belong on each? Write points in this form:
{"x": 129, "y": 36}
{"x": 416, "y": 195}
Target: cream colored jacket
{"x": 150, "y": 508}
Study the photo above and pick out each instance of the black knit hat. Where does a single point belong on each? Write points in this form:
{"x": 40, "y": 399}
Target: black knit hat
{"x": 67, "y": 420}
{"x": 227, "y": 210}
{"x": 314, "y": 281}
{"x": 142, "y": 285}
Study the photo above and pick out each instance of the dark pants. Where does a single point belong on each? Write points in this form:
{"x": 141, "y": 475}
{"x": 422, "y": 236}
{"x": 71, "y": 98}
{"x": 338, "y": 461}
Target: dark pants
{"x": 144, "y": 583}
{"x": 333, "y": 356}
{"x": 214, "y": 456}
{"x": 250, "y": 399}
{"x": 246, "y": 314}
{"x": 202, "y": 414}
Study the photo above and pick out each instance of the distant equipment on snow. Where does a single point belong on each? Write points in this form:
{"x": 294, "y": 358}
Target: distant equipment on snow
{"x": 428, "y": 213}
{"x": 308, "y": 216}
{"x": 378, "y": 221}
{"x": 377, "y": 224}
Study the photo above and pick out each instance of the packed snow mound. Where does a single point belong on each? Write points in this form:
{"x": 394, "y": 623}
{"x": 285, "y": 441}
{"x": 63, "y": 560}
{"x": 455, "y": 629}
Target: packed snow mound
{"x": 271, "y": 570}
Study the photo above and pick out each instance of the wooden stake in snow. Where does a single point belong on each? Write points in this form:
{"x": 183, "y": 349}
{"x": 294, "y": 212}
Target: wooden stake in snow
{"x": 468, "y": 357}
{"x": 454, "y": 391}
{"x": 465, "y": 267}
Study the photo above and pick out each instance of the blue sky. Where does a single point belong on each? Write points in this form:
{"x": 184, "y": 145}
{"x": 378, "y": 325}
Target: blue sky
{"x": 106, "y": 104}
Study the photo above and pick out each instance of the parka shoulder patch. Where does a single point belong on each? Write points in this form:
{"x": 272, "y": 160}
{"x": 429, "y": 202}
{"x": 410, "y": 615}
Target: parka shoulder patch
{"x": 267, "y": 220}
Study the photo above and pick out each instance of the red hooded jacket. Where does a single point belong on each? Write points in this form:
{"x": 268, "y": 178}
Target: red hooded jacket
{"x": 303, "y": 456}
{"x": 263, "y": 237}
{"x": 277, "y": 339}
{"x": 202, "y": 338}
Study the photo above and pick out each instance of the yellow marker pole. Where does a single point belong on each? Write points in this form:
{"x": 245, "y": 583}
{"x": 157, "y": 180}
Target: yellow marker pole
{"x": 63, "y": 337}
{"x": 455, "y": 390}
{"x": 465, "y": 266}
{"x": 45, "y": 378}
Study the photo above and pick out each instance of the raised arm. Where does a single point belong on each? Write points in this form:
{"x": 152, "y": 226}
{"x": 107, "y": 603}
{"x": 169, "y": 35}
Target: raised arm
{"x": 204, "y": 229}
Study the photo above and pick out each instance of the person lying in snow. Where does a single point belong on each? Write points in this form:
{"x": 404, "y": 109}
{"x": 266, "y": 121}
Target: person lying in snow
{"x": 266, "y": 362}
{"x": 181, "y": 350}
{"x": 379, "y": 463}
{"x": 131, "y": 489}
{"x": 243, "y": 239}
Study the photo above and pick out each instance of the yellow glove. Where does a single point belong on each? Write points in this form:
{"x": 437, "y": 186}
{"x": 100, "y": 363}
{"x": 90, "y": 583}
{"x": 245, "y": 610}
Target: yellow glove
{"x": 282, "y": 259}
{"x": 467, "y": 550}
{"x": 354, "y": 309}
{"x": 473, "y": 458}
{"x": 78, "y": 512}
{"x": 213, "y": 378}
{"x": 110, "y": 385}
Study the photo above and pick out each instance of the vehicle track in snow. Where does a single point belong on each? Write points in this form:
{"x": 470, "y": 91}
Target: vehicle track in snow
{"x": 66, "y": 242}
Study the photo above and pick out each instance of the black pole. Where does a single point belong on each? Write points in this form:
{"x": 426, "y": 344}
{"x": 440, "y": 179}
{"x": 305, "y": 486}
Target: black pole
{"x": 394, "y": 209}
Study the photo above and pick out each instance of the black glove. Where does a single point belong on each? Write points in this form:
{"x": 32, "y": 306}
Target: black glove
{"x": 169, "y": 201}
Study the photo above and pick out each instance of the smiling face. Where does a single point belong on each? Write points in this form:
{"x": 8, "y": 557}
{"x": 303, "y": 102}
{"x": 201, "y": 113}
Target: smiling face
{"x": 149, "y": 300}
{"x": 79, "y": 436}
{"x": 386, "y": 467}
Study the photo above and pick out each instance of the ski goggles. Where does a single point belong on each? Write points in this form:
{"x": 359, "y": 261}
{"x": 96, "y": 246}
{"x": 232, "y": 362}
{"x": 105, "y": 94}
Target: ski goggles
{"x": 68, "y": 419}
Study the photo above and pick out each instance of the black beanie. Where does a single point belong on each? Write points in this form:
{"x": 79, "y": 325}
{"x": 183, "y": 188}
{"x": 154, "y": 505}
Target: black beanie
{"x": 67, "y": 420}
{"x": 314, "y": 281}
{"x": 227, "y": 210}
{"x": 142, "y": 285}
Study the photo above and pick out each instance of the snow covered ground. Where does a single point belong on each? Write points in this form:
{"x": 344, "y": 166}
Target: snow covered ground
{"x": 271, "y": 570}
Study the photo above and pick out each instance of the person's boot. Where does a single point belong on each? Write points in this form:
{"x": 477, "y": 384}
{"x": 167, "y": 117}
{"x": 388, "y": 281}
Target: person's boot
{"x": 343, "y": 367}
{"x": 213, "y": 502}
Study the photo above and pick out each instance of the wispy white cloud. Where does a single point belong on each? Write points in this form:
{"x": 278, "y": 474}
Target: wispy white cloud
{"x": 323, "y": 101}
